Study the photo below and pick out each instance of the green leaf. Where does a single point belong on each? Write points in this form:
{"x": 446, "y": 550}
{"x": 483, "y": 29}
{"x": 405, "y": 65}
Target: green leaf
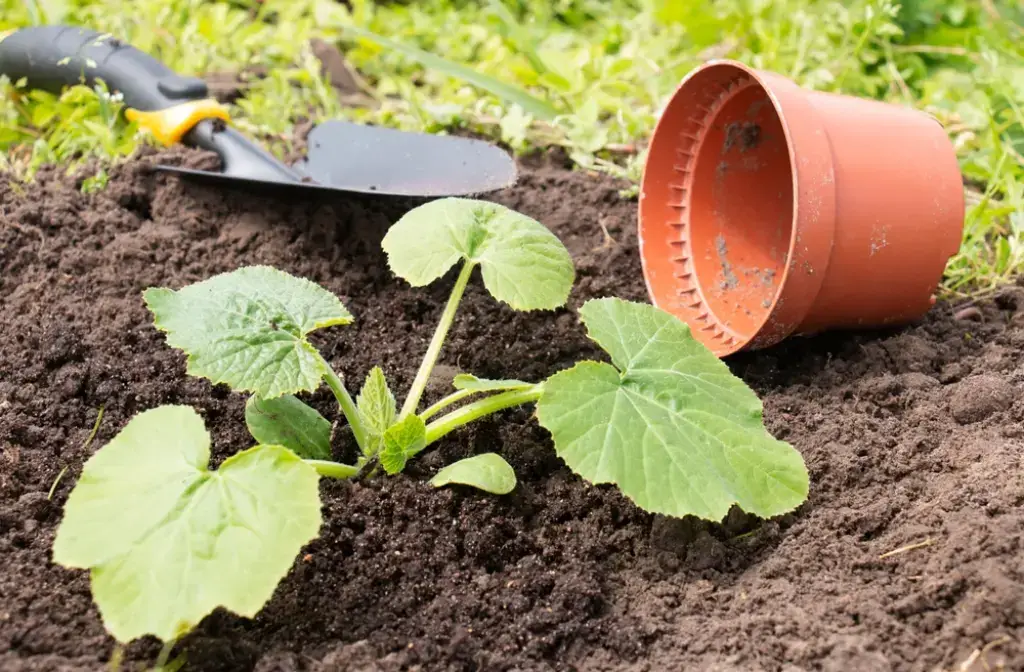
{"x": 467, "y": 381}
{"x": 168, "y": 541}
{"x": 522, "y": 262}
{"x": 287, "y": 421}
{"x": 248, "y": 328}
{"x": 522, "y": 39}
{"x": 668, "y": 423}
{"x": 488, "y": 472}
{"x": 377, "y": 405}
{"x": 507, "y": 92}
{"x": 401, "y": 442}
{"x": 136, "y": 478}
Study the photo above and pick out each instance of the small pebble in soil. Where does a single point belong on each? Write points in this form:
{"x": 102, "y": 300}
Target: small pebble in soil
{"x": 978, "y": 397}
{"x": 33, "y": 505}
{"x": 917, "y": 381}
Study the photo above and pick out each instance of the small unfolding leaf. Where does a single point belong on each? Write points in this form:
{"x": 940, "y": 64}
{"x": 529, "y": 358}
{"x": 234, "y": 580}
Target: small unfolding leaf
{"x": 401, "y": 442}
{"x": 488, "y": 472}
{"x": 377, "y": 405}
{"x": 467, "y": 381}
{"x": 287, "y": 421}
{"x": 669, "y": 424}
{"x": 168, "y": 541}
{"x": 248, "y": 328}
{"x": 522, "y": 262}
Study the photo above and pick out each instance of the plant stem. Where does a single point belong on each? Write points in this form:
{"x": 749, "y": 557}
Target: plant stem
{"x": 434, "y": 350}
{"x": 446, "y": 402}
{"x": 116, "y": 657}
{"x": 333, "y": 469}
{"x": 348, "y": 406}
{"x": 479, "y": 409}
{"x": 165, "y": 653}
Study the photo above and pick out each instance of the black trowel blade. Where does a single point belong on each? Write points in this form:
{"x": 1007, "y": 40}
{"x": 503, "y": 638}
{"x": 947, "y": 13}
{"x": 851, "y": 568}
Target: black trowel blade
{"x": 376, "y": 160}
{"x": 351, "y": 158}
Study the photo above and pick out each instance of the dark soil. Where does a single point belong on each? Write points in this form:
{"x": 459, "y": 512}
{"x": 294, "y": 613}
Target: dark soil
{"x": 907, "y": 556}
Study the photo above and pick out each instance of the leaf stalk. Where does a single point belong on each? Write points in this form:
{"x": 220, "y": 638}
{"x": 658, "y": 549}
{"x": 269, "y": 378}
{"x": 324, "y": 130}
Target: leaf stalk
{"x": 333, "y": 469}
{"x": 345, "y": 402}
{"x": 479, "y": 409}
{"x": 163, "y": 656}
{"x": 452, "y": 398}
{"x": 419, "y": 384}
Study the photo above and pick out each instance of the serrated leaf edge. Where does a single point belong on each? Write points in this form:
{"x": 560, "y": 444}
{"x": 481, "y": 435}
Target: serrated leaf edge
{"x": 476, "y": 260}
{"x": 181, "y": 508}
{"x": 540, "y": 413}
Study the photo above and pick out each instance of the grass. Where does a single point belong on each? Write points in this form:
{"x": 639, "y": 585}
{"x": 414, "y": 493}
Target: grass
{"x": 588, "y": 75}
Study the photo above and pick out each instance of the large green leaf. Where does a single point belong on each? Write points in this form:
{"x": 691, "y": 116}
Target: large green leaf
{"x": 248, "y": 328}
{"x": 135, "y": 479}
{"x": 668, "y": 423}
{"x": 168, "y": 540}
{"x": 507, "y": 92}
{"x": 522, "y": 262}
{"x": 488, "y": 472}
{"x": 287, "y": 421}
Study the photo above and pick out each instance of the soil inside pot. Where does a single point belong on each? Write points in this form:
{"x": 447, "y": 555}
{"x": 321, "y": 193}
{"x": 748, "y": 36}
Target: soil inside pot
{"x": 906, "y": 557}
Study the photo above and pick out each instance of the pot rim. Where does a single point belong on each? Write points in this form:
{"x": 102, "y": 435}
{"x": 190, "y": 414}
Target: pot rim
{"x": 812, "y": 225}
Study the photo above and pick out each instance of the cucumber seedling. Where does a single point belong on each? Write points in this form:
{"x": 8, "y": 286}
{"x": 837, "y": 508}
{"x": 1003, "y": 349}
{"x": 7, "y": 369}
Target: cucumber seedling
{"x": 168, "y": 540}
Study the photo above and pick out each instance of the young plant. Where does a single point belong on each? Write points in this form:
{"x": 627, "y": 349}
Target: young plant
{"x": 168, "y": 540}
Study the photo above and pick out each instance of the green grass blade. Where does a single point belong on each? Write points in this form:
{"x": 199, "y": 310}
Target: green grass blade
{"x": 511, "y": 94}
{"x": 521, "y": 39}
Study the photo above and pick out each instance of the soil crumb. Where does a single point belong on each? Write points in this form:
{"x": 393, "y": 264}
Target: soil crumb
{"x": 722, "y": 249}
{"x": 746, "y": 135}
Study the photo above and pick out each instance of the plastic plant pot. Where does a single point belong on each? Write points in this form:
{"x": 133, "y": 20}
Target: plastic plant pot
{"x": 768, "y": 210}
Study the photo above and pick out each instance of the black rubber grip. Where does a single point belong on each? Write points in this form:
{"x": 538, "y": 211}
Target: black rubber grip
{"x": 51, "y": 58}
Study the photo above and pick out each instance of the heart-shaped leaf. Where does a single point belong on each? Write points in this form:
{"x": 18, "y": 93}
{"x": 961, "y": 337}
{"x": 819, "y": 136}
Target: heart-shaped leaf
{"x": 522, "y": 262}
{"x": 248, "y": 328}
{"x": 669, "y": 424}
{"x": 168, "y": 541}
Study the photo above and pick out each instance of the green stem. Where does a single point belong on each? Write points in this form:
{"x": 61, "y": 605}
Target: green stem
{"x": 479, "y": 409}
{"x": 434, "y": 350}
{"x": 116, "y": 658}
{"x": 446, "y": 402}
{"x": 165, "y": 653}
{"x": 348, "y": 406}
{"x": 333, "y": 469}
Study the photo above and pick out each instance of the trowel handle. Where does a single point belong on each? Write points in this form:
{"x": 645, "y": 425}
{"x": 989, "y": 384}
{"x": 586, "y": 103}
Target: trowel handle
{"x": 51, "y": 58}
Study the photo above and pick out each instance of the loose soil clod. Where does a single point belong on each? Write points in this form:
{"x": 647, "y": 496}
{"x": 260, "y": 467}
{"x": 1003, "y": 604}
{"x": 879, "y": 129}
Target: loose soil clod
{"x": 558, "y": 575}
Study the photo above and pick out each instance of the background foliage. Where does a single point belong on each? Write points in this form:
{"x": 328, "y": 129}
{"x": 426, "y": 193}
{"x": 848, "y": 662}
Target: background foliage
{"x": 589, "y": 75}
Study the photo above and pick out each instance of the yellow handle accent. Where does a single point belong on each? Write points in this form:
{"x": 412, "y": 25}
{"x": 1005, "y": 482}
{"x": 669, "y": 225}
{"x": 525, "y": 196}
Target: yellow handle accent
{"x": 170, "y": 124}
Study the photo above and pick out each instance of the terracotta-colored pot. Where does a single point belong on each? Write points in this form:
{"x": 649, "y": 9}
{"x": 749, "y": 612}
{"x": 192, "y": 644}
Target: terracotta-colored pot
{"x": 768, "y": 210}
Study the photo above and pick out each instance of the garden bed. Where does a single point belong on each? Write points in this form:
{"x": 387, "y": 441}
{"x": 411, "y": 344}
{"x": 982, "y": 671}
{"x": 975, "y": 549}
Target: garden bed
{"x": 905, "y": 557}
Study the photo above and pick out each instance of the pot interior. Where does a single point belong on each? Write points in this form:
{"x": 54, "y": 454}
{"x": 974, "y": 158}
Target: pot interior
{"x": 741, "y": 206}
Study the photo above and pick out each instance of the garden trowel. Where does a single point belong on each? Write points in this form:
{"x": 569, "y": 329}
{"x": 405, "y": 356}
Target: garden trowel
{"x": 341, "y": 156}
